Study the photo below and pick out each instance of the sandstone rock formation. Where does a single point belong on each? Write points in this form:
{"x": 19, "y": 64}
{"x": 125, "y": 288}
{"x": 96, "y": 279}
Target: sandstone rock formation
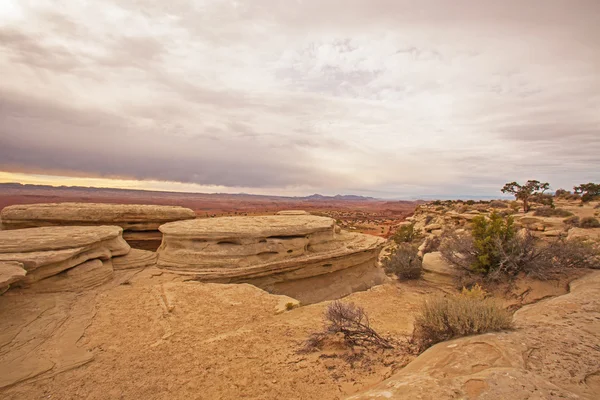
{"x": 48, "y": 251}
{"x": 552, "y": 354}
{"x": 136, "y": 258}
{"x": 279, "y": 253}
{"x": 139, "y": 222}
{"x": 85, "y": 276}
{"x": 10, "y": 272}
{"x": 437, "y": 271}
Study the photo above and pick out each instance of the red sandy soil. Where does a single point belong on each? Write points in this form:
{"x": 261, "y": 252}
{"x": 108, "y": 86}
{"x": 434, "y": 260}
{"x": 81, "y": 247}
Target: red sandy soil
{"x": 366, "y": 215}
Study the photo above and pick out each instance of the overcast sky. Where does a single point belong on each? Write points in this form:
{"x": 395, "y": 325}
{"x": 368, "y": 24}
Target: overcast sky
{"x": 387, "y": 98}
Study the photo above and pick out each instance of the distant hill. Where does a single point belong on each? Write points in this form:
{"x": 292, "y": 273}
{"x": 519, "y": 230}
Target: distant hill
{"x": 314, "y": 197}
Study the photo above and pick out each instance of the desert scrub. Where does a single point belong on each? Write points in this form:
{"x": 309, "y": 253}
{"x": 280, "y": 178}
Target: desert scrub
{"x": 572, "y": 221}
{"x": 498, "y": 204}
{"x": 444, "y": 318}
{"x": 487, "y": 233}
{"x": 406, "y": 234}
{"x": 404, "y": 263}
{"x": 551, "y": 212}
{"x": 589, "y": 222}
{"x": 352, "y": 322}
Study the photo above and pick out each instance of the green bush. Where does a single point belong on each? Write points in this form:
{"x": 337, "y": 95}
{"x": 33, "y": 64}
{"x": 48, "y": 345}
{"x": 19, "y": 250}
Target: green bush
{"x": 487, "y": 234}
{"x": 551, "y": 212}
{"x": 406, "y": 234}
{"x": 404, "y": 263}
{"x": 445, "y": 318}
{"x": 589, "y": 222}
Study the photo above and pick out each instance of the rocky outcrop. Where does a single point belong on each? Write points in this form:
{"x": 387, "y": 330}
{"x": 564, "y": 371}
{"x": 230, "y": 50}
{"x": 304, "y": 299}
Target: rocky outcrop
{"x": 272, "y": 252}
{"x": 552, "y": 354}
{"x": 136, "y": 258}
{"x": 48, "y": 251}
{"x": 140, "y": 222}
{"x": 437, "y": 271}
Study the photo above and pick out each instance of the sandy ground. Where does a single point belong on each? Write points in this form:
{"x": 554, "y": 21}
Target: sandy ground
{"x": 152, "y": 336}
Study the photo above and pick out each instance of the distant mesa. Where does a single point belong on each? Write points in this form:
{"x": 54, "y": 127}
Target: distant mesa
{"x": 139, "y": 222}
{"x": 301, "y": 256}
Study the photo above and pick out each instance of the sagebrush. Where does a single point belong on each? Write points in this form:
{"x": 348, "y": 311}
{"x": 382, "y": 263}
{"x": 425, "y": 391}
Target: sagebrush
{"x": 404, "y": 262}
{"x": 444, "y": 318}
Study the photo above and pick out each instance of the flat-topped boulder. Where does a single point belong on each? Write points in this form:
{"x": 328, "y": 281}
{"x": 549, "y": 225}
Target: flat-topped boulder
{"x": 249, "y": 227}
{"x": 48, "y": 251}
{"x": 271, "y": 252}
{"x": 140, "y": 222}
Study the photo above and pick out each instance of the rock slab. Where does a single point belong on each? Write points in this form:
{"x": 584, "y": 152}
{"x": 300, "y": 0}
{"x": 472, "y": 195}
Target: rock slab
{"x": 140, "y": 222}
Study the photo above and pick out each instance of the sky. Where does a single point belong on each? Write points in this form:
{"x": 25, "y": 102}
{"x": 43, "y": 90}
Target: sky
{"x": 383, "y": 98}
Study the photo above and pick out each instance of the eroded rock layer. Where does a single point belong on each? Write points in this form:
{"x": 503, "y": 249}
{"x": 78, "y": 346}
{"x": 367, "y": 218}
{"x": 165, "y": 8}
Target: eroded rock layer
{"x": 140, "y": 222}
{"x": 277, "y": 253}
{"x": 48, "y": 251}
{"x": 136, "y": 258}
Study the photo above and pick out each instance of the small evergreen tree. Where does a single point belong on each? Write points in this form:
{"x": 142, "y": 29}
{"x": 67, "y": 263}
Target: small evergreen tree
{"x": 526, "y": 191}
{"x": 588, "y": 191}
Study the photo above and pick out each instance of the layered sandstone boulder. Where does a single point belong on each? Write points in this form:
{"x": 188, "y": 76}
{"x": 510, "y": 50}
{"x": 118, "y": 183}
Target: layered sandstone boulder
{"x": 438, "y": 271}
{"x": 280, "y": 253}
{"x": 139, "y": 222}
{"x": 48, "y": 251}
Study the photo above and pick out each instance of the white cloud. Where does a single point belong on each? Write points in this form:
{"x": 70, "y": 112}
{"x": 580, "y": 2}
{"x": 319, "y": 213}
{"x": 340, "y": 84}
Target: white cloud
{"x": 376, "y": 96}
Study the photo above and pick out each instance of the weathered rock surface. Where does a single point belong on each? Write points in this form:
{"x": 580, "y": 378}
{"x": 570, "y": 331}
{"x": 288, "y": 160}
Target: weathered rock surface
{"x": 140, "y": 222}
{"x": 10, "y": 272}
{"x": 580, "y": 233}
{"x": 552, "y": 354}
{"x": 437, "y": 271}
{"x": 48, "y": 251}
{"x": 85, "y": 276}
{"x": 269, "y": 251}
{"x": 136, "y": 258}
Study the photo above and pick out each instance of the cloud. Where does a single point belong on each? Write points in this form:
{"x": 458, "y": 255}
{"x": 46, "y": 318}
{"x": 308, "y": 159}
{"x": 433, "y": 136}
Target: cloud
{"x": 380, "y": 96}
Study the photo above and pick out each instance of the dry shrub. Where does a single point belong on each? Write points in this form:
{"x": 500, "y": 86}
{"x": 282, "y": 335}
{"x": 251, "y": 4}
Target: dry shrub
{"x": 350, "y": 321}
{"x": 498, "y": 204}
{"x": 522, "y": 253}
{"x": 474, "y": 292}
{"x": 589, "y": 222}
{"x": 431, "y": 244}
{"x": 445, "y": 318}
{"x": 406, "y": 234}
{"x": 404, "y": 263}
{"x": 572, "y": 221}
{"x": 551, "y": 212}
